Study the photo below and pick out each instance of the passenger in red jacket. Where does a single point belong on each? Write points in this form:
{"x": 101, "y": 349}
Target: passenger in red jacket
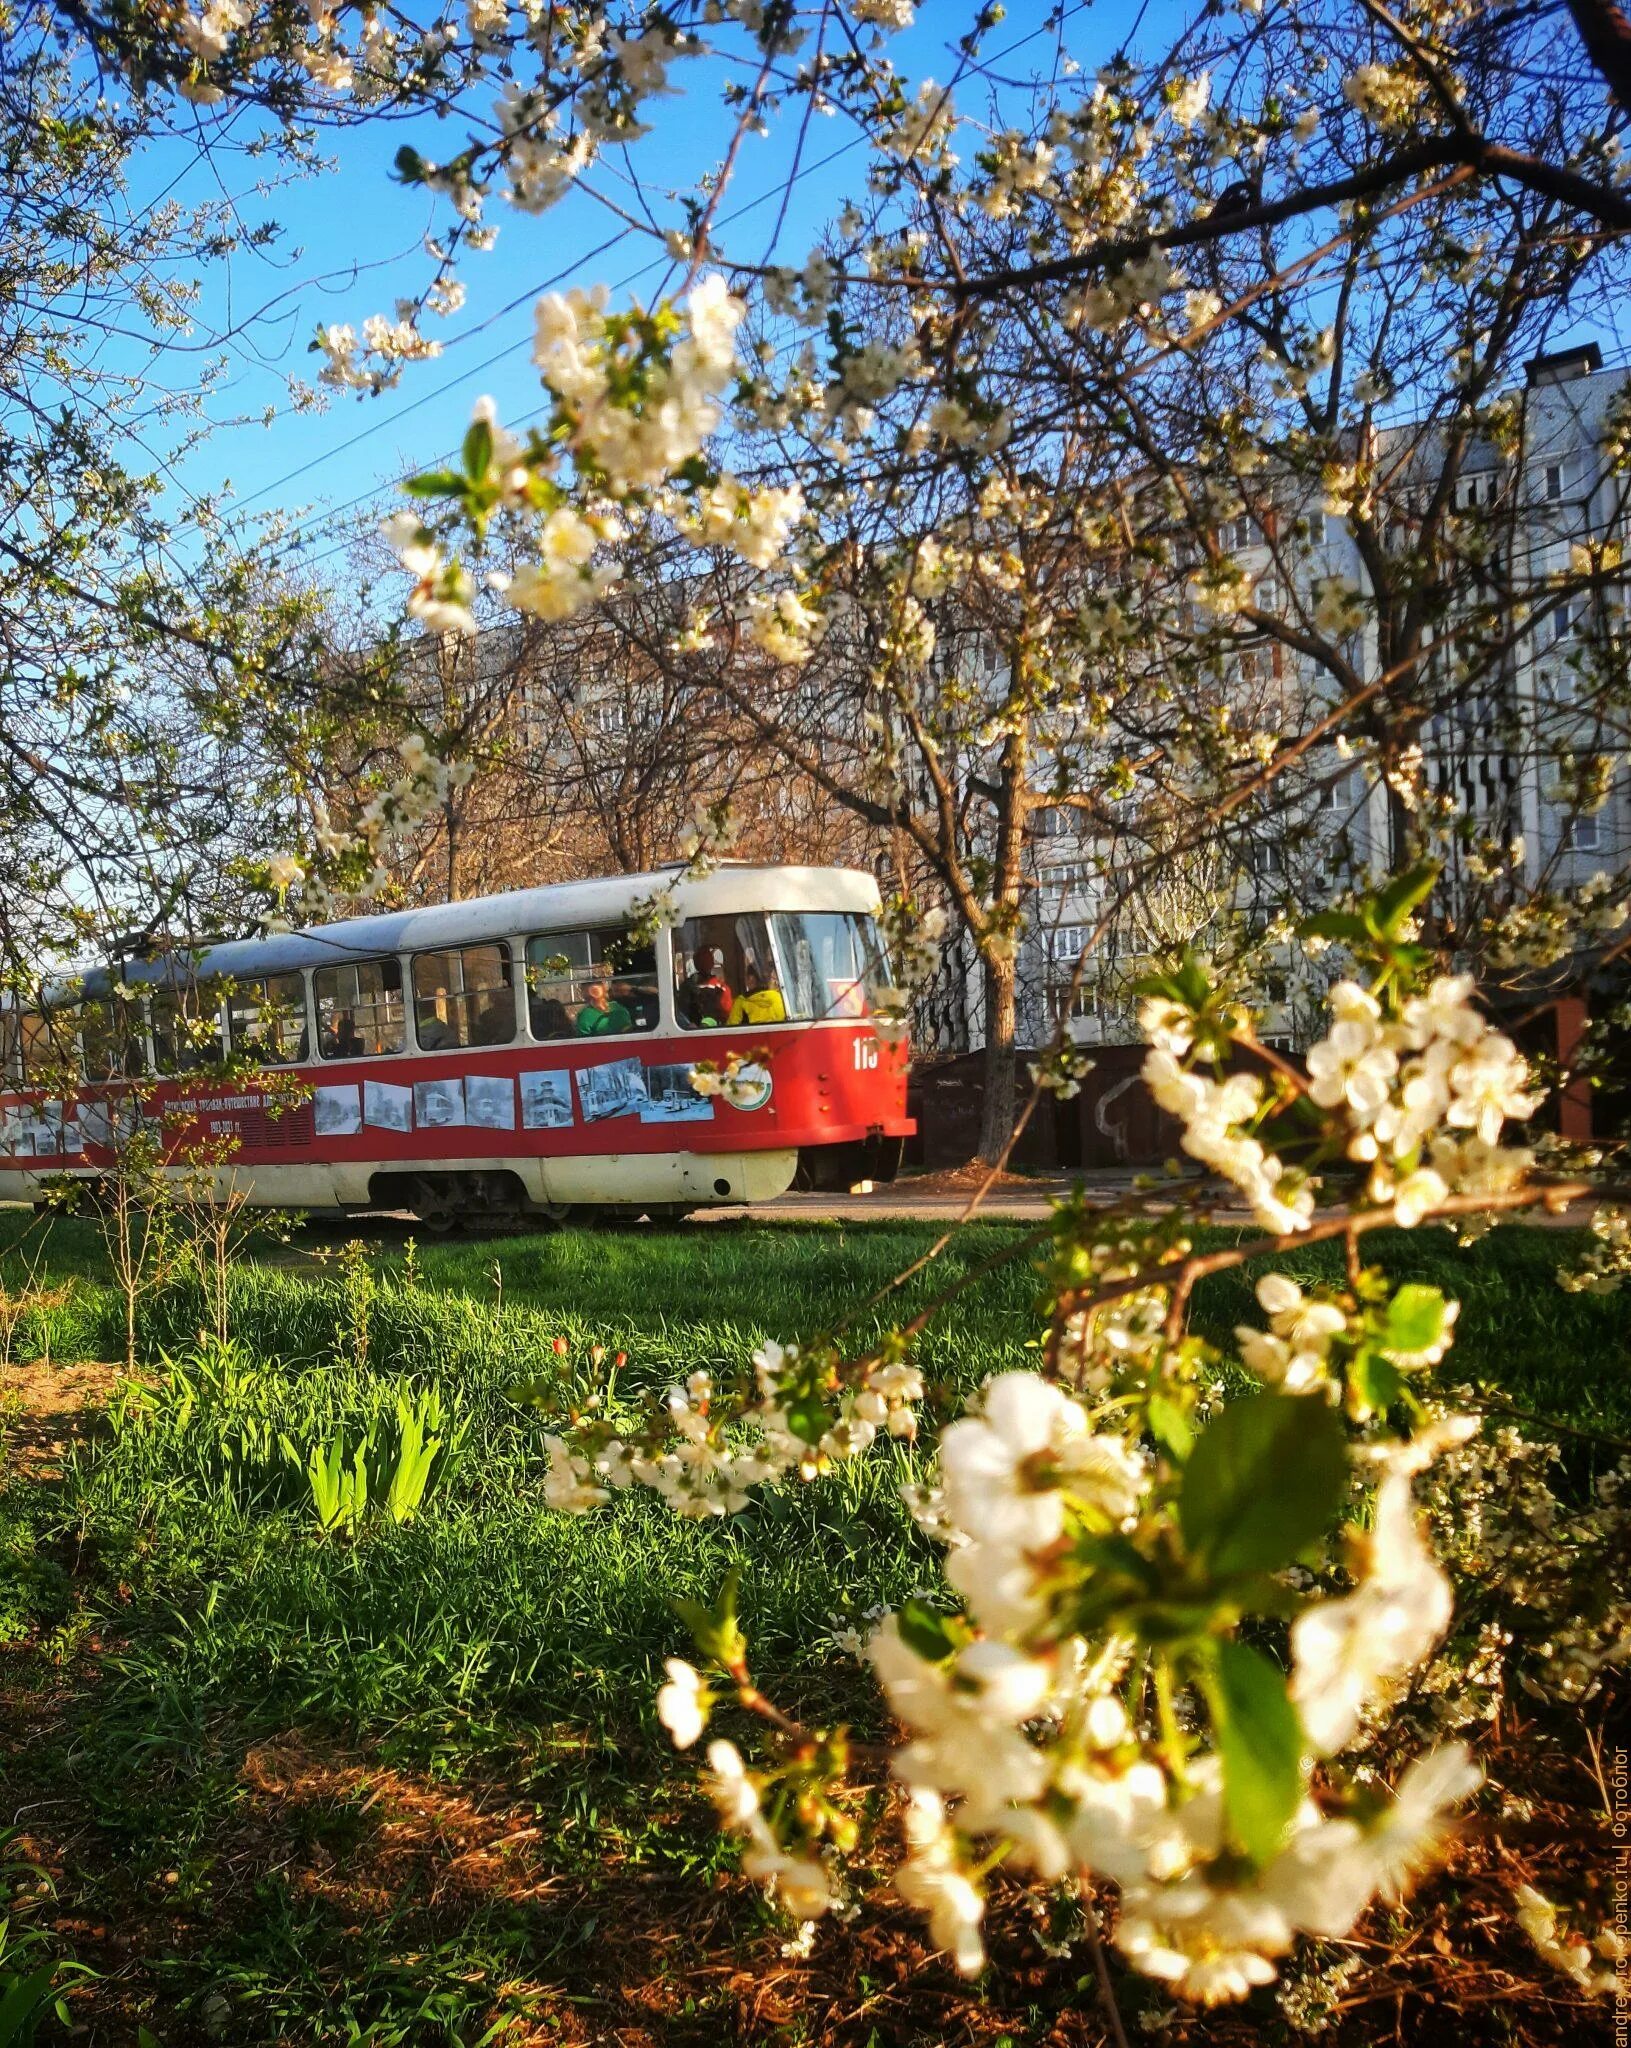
{"x": 704, "y": 997}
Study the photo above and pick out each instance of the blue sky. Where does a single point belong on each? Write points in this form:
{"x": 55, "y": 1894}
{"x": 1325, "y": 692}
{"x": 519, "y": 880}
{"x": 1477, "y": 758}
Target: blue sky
{"x": 353, "y": 244}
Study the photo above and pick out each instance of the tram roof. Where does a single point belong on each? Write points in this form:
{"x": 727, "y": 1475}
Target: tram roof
{"x": 557, "y": 906}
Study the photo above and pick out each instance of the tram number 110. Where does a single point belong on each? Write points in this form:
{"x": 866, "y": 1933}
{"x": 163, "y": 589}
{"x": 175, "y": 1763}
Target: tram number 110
{"x": 866, "y": 1053}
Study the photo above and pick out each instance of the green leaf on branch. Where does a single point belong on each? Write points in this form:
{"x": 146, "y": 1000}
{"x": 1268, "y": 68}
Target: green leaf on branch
{"x": 1263, "y": 1481}
{"x": 1375, "y": 1383}
{"x": 808, "y": 1417}
{"x": 1170, "y": 1427}
{"x": 1415, "y": 1321}
{"x": 932, "y": 1635}
{"x": 478, "y": 450}
{"x": 436, "y": 483}
{"x": 1393, "y": 903}
{"x": 1260, "y": 1742}
{"x": 714, "y": 1629}
{"x": 1341, "y": 925}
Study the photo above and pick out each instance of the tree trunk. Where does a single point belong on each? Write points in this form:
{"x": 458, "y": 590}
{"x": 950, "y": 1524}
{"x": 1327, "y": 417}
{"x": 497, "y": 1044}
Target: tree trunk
{"x": 999, "y": 1097}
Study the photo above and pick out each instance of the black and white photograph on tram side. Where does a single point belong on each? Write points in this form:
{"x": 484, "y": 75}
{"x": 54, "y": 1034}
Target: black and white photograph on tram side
{"x": 489, "y": 1101}
{"x": 388, "y": 1105}
{"x": 338, "y": 1110}
{"x": 670, "y": 1098}
{"x": 616, "y": 1089}
{"x": 39, "y": 1133}
{"x": 439, "y": 1105}
{"x": 96, "y": 1123}
{"x": 546, "y": 1099}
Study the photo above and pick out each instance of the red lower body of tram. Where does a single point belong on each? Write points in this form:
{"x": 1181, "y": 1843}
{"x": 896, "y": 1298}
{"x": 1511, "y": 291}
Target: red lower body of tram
{"x": 516, "y": 1130}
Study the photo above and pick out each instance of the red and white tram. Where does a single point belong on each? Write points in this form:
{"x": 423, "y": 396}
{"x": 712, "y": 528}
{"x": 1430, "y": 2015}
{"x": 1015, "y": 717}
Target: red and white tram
{"x": 520, "y": 1054}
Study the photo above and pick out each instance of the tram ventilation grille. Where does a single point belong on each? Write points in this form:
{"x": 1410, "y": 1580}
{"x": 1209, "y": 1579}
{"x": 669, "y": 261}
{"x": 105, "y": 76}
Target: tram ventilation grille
{"x": 294, "y": 1127}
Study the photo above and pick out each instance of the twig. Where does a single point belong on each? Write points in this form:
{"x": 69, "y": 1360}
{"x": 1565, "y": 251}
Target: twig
{"x": 1590, "y": 1436}
{"x": 1101, "y": 1965}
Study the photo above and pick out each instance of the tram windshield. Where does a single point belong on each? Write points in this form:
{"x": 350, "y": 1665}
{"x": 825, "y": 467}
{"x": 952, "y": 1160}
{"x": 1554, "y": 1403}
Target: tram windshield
{"x": 795, "y": 966}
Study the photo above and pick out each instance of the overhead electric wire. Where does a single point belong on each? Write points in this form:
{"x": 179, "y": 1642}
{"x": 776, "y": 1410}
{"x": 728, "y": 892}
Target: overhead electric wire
{"x": 313, "y": 524}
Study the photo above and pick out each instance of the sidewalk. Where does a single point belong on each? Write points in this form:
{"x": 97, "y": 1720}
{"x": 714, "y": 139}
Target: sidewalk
{"x": 899, "y": 1202}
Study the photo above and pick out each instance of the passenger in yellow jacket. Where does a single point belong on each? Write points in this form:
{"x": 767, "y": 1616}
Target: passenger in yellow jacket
{"x": 760, "y": 1003}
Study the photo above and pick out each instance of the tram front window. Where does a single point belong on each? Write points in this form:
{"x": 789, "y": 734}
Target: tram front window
{"x": 797, "y": 966}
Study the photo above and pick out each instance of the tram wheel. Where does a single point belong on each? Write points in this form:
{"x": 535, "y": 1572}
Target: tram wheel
{"x": 435, "y": 1206}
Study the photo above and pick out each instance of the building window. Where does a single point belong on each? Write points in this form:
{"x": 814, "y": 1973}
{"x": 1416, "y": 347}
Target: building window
{"x": 1066, "y": 1003}
{"x": 1266, "y": 857}
{"x": 1583, "y": 835}
{"x": 359, "y": 1009}
{"x": 1335, "y": 793}
{"x": 1554, "y": 480}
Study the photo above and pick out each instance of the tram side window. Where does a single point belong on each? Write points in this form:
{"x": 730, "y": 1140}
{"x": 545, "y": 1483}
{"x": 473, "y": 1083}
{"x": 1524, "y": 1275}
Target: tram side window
{"x": 463, "y": 997}
{"x": 359, "y": 1009}
{"x": 111, "y": 1035}
{"x": 38, "y": 1047}
{"x": 790, "y": 966}
{"x": 590, "y": 984}
{"x": 186, "y": 1026}
{"x": 267, "y": 1020}
{"x": 49, "y": 1053}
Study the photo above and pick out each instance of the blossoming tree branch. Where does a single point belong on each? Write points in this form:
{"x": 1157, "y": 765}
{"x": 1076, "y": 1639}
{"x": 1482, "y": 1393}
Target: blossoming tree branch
{"x": 1165, "y": 381}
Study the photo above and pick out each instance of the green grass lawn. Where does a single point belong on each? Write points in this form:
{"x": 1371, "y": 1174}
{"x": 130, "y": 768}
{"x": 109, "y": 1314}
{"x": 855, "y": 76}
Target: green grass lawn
{"x": 238, "y": 1723}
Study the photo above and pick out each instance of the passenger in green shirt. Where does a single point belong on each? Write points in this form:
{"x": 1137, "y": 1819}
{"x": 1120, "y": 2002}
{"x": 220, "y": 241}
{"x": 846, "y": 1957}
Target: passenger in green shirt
{"x": 599, "y": 1015}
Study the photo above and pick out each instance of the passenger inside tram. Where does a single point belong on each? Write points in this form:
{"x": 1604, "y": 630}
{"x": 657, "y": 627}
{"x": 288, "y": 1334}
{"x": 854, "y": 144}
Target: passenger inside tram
{"x": 550, "y": 1017}
{"x": 345, "y": 1041}
{"x": 704, "y": 997}
{"x": 495, "y": 1022}
{"x": 640, "y": 1000}
{"x": 600, "y": 1013}
{"x": 761, "y": 1001}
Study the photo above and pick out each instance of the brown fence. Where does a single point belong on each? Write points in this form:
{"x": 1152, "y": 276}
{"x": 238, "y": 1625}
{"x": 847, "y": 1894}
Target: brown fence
{"x": 1113, "y": 1122}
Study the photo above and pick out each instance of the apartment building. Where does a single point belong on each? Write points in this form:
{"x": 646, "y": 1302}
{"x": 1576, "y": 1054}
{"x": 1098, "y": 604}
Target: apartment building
{"x": 1524, "y": 759}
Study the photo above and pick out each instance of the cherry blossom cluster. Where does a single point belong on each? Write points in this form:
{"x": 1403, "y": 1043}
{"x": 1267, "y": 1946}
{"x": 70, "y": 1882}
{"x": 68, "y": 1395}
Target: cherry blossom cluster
{"x": 346, "y": 863}
{"x": 916, "y": 938}
{"x": 1028, "y": 1740}
{"x": 802, "y": 1416}
{"x": 635, "y": 397}
{"x": 1077, "y": 1702}
{"x": 1594, "y": 1964}
{"x": 1605, "y": 1263}
{"x": 1217, "y": 1117}
{"x": 1417, "y": 1086}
